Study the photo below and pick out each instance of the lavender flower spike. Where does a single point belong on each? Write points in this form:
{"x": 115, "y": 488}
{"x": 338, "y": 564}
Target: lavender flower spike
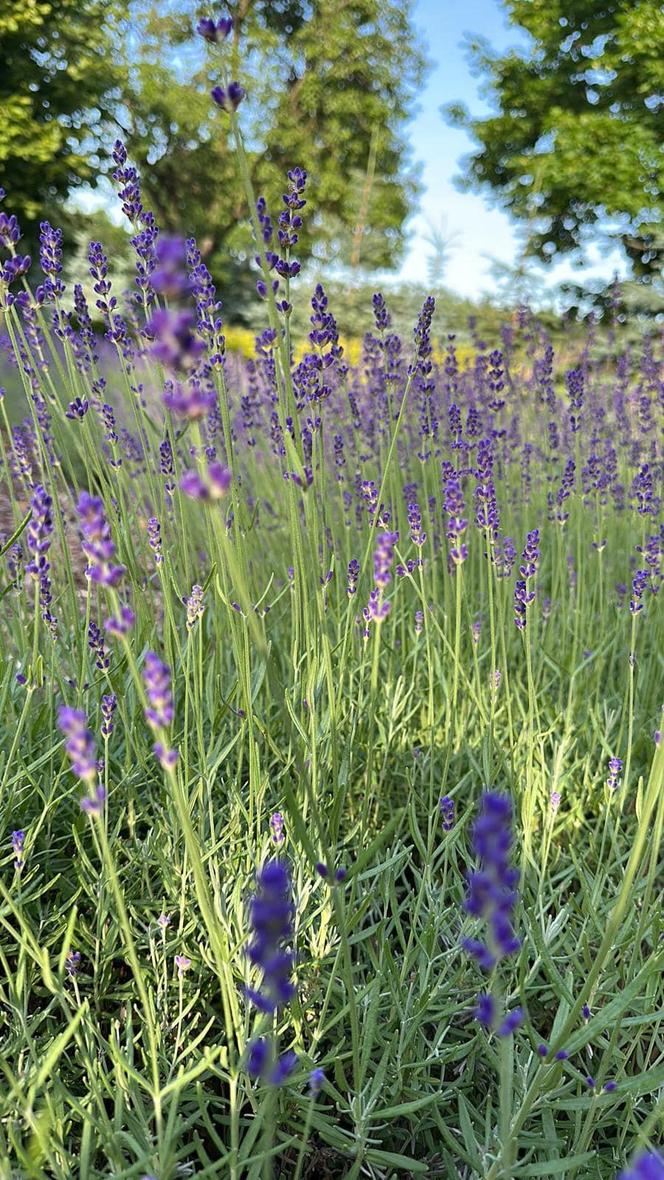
{"x": 108, "y": 707}
{"x": 160, "y": 710}
{"x": 277, "y": 828}
{"x": 447, "y": 811}
{"x": 157, "y": 679}
{"x": 512, "y": 1021}
{"x": 40, "y": 530}
{"x": 97, "y": 542}
{"x": 79, "y": 743}
{"x": 492, "y": 891}
{"x": 195, "y": 606}
{"x": 93, "y": 804}
{"x": 647, "y": 1166}
{"x": 615, "y": 767}
{"x": 18, "y": 848}
{"x": 377, "y": 609}
{"x": 271, "y": 916}
{"x": 154, "y": 539}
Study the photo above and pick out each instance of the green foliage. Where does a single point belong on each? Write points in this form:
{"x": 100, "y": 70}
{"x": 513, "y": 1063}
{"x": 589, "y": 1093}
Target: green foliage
{"x": 330, "y": 88}
{"x": 57, "y": 79}
{"x": 127, "y": 1068}
{"x": 576, "y": 143}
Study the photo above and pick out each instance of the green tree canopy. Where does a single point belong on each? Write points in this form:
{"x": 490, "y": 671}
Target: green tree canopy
{"x": 57, "y": 79}
{"x": 330, "y": 87}
{"x": 577, "y": 143}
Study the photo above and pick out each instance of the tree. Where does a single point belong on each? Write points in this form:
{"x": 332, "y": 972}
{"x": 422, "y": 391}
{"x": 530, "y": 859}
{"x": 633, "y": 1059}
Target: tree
{"x": 442, "y": 244}
{"x": 577, "y": 143}
{"x": 330, "y": 86}
{"x": 56, "y": 79}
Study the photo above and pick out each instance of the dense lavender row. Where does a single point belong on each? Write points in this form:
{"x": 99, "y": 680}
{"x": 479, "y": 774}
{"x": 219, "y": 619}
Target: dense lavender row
{"x": 291, "y": 620}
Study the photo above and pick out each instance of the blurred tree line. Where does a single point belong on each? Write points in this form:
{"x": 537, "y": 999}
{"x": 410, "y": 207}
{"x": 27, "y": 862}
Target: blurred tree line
{"x": 573, "y": 147}
{"x": 330, "y": 87}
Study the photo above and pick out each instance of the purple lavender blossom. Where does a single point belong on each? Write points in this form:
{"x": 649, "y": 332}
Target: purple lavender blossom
{"x": 108, "y": 707}
{"x": 154, "y": 539}
{"x": 50, "y": 258}
{"x": 208, "y": 320}
{"x": 127, "y": 177}
{"x": 166, "y": 465}
{"x": 77, "y": 409}
{"x": 271, "y": 914}
{"x": 511, "y": 1022}
{"x": 531, "y": 555}
{"x": 160, "y": 709}
{"x": 93, "y": 803}
{"x": 377, "y": 609}
{"x": 98, "y": 647}
{"x": 575, "y": 390}
{"x": 195, "y": 606}
{"x": 523, "y": 596}
{"x": 652, "y": 551}
{"x": 485, "y": 1010}
{"x": 176, "y": 346}
{"x": 566, "y": 487}
{"x": 169, "y": 277}
{"x": 277, "y": 828}
{"x": 258, "y": 1056}
{"x": 285, "y": 1065}
{"x": 639, "y": 583}
{"x": 79, "y": 743}
{"x": 447, "y": 810}
{"x": 504, "y": 556}
{"x": 157, "y": 679}
{"x": 121, "y": 623}
{"x": 72, "y": 963}
{"x": 107, "y": 303}
{"x": 417, "y": 536}
{"x": 457, "y": 524}
{"x": 649, "y": 1165}
{"x": 40, "y": 530}
{"x": 522, "y": 600}
{"x": 10, "y": 232}
{"x": 641, "y": 492}
{"x": 486, "y": 505}
{"x": 214, "y": 31}
{"x": 492, "y": 893}
{"x": 383, "y": 559}
{"x": 230, "y": 98}
{"x": 97, "y": 541}
{"x": 615, "y": 767}
{"x": 166, "y": 757}
{"x": 18, "y": 848}
{"x": 213, "y": 485}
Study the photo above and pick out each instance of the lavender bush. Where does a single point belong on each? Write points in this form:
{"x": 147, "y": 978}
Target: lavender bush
{"x": 312, "y": 864}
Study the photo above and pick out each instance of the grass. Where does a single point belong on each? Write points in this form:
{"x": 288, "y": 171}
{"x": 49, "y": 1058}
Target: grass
{"x": 130, "y": 1066}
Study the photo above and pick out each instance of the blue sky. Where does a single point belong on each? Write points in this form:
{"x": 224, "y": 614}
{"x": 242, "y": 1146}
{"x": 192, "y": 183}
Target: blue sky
{"x": 478, "y": 226}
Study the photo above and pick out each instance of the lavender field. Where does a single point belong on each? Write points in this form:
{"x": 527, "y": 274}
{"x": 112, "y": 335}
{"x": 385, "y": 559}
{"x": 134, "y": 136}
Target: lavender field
{"x": 331, "y": 772}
